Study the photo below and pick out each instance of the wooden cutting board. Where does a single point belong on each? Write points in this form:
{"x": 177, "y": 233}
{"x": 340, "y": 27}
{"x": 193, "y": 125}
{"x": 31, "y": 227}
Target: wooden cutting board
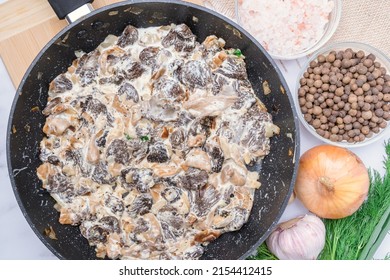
{"x": 26, "y": 27}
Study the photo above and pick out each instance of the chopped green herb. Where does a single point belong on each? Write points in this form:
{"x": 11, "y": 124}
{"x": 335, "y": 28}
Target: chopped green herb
{"x": 263, "y": 253}
{"x": 144, "y": 138}
{"x": 128, "y": 137}
{"x": 346, "y": 239}
{"x": 237, "y": 52}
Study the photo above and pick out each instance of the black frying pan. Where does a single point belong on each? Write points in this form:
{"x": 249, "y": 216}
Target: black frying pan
{"x": 278, "y": 169}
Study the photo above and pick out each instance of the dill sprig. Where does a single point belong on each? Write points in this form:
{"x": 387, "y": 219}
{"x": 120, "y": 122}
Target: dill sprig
{"x": 263, "y": 253}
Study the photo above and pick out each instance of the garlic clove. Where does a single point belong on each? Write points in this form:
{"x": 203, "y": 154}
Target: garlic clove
{"x": 302, "y": 238}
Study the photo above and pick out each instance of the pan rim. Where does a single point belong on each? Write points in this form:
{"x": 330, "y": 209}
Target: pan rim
{"x": 129, "y": 3}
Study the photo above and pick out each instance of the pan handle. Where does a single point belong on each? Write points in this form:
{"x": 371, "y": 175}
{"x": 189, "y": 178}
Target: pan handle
{"x": 71, "y": 10}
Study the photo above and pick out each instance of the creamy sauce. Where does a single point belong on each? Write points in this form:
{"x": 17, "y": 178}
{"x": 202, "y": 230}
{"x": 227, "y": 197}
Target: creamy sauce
{"x": 148, "y": 141}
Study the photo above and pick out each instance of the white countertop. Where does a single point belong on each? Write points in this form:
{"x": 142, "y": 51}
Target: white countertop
{"x": 18, "y": 241}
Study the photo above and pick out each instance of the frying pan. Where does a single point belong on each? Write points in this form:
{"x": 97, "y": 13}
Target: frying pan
{"x": 277, "y": 170}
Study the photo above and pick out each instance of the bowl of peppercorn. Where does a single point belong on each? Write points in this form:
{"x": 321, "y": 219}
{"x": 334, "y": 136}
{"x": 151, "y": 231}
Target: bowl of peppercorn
{"x": 343, "y": 94}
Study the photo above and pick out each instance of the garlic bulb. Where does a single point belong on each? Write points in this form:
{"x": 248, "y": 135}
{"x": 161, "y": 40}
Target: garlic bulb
{"x": 292, "y": 197}
{"x": 302, "y": 238}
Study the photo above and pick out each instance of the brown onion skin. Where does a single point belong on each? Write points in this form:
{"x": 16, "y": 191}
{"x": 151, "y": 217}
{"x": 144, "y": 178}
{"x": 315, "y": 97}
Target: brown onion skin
{"x": 332, "y": 182}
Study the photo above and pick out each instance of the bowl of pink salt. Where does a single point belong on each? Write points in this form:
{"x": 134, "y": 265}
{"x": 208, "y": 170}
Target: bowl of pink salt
{"x": 289, "y": 29}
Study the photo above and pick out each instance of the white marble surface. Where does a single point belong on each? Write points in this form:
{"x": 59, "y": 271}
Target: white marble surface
{"x": 18, "y": 241}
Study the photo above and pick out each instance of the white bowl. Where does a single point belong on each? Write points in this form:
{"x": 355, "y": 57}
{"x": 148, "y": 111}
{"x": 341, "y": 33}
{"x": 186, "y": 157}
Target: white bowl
{"x": 355, "y": 46}
{"x": 330, "y": 28}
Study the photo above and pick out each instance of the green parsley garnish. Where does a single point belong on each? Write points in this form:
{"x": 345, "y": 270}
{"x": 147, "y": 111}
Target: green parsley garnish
{"x": 144, "y": 138}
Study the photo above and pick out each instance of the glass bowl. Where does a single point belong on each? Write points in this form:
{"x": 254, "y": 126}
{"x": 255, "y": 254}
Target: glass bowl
{"x": 355, "y": 46}
{"x": 330, "y": 28}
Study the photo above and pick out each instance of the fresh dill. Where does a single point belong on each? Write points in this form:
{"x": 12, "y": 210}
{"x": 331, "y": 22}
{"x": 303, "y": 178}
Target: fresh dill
{"x": 359, "y": 235}
{"x": 128, "y": 137}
